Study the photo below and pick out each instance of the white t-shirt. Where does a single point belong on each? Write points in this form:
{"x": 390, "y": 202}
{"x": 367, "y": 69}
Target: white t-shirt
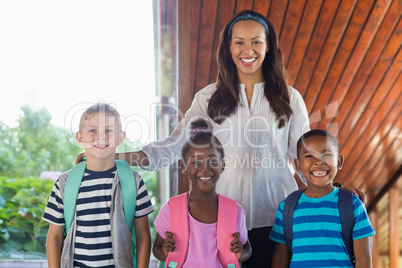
{"x": 257, "y": 174}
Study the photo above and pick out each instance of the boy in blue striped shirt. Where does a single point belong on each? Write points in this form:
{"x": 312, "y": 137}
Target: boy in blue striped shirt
{"x": 317, "y": 231}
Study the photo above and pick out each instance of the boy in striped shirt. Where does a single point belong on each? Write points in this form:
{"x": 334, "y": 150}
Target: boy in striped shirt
{"x": 99, "y": 236}
{"x": 317, "y": 231}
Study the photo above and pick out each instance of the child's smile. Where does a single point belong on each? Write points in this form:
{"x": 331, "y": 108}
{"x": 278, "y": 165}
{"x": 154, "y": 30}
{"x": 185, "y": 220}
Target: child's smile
{"x": 100, "y": 136}
{"x": 319, "y": 161}
{"x": 203, "y": 165}
{"x": 320, "y": 170}
{"x": 319, "y": 173}
{"x": 101, "y": 146}
{"x": 205, "y": 178}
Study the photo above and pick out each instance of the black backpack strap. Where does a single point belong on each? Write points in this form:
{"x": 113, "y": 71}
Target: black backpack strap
{"x": 345, "y": 203}
{"x": 287, "y": 216}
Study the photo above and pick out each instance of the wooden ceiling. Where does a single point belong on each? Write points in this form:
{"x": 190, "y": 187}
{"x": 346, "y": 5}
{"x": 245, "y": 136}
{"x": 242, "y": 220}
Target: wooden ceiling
{"x": 344, "y": 57}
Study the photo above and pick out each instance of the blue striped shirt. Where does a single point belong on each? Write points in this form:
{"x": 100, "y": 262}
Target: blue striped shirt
{"x": 317, "y": 231}
{"x": 93, "y": 242}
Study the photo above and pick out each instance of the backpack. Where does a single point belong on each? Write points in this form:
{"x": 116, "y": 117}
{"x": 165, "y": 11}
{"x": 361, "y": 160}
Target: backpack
{"x": 128, "y": 188}
{"x": 345, "y": 205}
{"x": 225, "y": 227}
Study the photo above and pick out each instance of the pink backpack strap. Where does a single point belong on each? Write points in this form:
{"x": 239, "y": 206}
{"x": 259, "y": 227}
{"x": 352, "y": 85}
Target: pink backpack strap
{"x": 178, "y": 226}
{"x": 226, "y": 227}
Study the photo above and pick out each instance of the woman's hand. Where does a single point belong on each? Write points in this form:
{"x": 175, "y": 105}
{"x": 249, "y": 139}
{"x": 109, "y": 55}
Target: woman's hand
{"x": 356, "y": 192}
{"x": 79, "y": 158}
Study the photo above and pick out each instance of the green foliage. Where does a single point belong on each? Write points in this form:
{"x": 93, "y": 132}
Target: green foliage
{"x": 26, "y": 151}
{"x": 151, "y": 181}
{"x": 34, "y": 146}
{"x": 22, "y": 202}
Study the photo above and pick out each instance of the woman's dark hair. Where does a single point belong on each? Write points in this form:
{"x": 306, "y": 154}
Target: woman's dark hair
{"x": 201, "y": 134}
{"x": 224, "y": 101}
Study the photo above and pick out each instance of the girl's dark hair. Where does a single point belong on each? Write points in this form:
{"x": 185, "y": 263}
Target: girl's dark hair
{"x": 225, "y": 100}
{"x": 201, "y": 133}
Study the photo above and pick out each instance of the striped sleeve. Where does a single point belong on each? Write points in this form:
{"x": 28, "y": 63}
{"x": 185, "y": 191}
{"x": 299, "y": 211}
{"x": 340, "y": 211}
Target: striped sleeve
{"x": 277, "y": 233}
{"x": 54, "y": 209}
{"x": 363, "y": 227}
{"x": 143, "y": 205}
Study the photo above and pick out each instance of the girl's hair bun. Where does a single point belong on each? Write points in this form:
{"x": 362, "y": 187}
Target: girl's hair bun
{"x": 201, "y": 133}
{"x": 200, "y": 125}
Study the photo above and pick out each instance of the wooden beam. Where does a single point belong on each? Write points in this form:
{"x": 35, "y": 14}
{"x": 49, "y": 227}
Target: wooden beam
{"x": 185, "y": 96}
{"x": 290, "y": 27}
{"x": 301, "y": 40}
{"x": 359, "y": 151}
{"x": 204, "y": 41}
{"x": 393, "y": 227}
{"x": 376, "y": 252}
{"x": 385, "y": 189}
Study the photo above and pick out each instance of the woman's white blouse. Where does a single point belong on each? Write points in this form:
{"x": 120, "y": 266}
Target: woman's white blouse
{"x": 257, "y": 173}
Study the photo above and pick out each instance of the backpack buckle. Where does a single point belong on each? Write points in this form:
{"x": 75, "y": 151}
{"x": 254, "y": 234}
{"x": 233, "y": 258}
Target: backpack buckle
{"x": 172, "y": 264}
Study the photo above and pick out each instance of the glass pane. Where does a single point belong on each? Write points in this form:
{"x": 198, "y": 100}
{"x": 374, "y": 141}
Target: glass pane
{"x": 57, "y": 58}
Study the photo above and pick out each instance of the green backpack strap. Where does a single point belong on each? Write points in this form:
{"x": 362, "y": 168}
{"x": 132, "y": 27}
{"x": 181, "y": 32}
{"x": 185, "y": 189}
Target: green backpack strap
{"x": 128, "y": 188}
{"x": 71, "y": 190}
{"x": 129, "y": 193}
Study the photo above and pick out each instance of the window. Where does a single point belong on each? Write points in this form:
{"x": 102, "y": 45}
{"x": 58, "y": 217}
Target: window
{"x": 56, "y": 58}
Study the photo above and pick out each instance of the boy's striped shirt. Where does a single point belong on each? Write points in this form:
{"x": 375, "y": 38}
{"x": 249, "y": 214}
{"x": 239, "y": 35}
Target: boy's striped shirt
{"x": 93, "y": 244}
{"x": 317, "y": 231}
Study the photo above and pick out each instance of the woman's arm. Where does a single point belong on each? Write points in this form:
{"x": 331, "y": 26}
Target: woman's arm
{"x": 247, "y": 250}
{"x": 361, "y": 248}
{"x": 143, "y": 241}
{"x": 281, "y": 256}
{"x": 163, "y": 153}
{"x": 137, "y": 158}
{"x": 54, "y": 245}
